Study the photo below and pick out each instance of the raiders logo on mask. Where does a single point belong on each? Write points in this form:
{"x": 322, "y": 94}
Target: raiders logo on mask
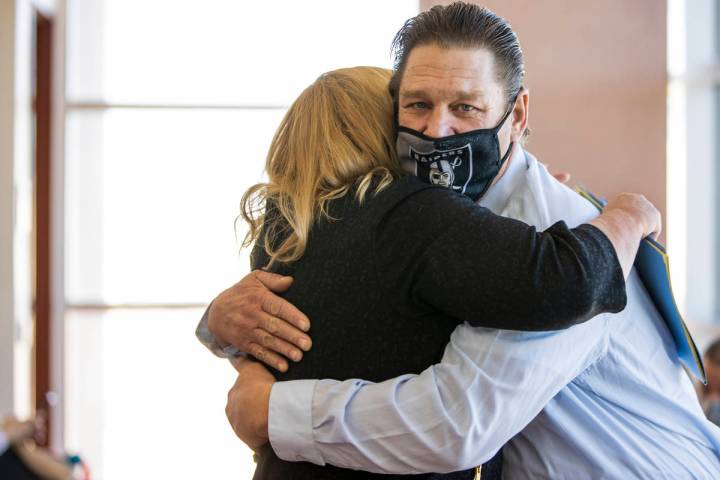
{"x": 447, "y": 168}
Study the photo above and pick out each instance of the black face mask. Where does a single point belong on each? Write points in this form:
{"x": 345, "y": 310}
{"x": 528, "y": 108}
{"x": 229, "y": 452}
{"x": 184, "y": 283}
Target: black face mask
{"x": 466, "y": 162}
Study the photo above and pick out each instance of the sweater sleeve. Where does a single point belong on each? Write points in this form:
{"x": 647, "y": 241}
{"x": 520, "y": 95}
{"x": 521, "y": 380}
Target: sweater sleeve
{"x": 441, "y": 252}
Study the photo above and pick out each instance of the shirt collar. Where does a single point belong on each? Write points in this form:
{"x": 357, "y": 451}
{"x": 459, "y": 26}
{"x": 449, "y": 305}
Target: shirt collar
{"x": 498, "y": 195}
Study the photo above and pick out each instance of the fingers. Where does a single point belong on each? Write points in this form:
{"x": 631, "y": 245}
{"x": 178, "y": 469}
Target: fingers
{"x": 284, "y": 310}
{"x": 274, "y": 339}
{"x": 249, "y": 313}
{"x": 277, "y": 345}
{"x": 273, "y": 281}
{"x": 268, "y": 357}
{"x": 283, "y": 330}
{"x": 562, "y": 177}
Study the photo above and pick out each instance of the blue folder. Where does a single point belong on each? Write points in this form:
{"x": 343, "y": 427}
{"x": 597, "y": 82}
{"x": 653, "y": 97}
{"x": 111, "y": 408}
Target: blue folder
{"x": 653, "y": 266}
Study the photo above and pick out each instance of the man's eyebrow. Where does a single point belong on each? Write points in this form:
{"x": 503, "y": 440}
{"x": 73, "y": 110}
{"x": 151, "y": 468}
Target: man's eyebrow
{"x": 414, "y": 93}
{"x": 458, "y": 95}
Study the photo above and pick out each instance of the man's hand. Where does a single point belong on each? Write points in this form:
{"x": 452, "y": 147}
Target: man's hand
{"x": 251, "y": 317}
{"x": 248, "y": 402}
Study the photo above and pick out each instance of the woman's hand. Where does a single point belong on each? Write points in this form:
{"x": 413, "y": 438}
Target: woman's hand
{"x": 625, "y": 221}
{"x": 640, "y": 208}
{"x": 562, "y": 177}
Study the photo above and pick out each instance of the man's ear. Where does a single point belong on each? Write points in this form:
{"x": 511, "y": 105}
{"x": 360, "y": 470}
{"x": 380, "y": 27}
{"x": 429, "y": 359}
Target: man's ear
{"x": 520, "y": 115}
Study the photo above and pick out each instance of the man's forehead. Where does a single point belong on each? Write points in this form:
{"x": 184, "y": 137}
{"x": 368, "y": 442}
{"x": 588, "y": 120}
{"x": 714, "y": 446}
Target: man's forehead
{"x": 454, "y": 72}
{"x": 450, "y": 90}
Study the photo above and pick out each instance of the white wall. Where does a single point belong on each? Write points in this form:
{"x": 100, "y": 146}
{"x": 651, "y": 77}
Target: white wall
{"x": 16, "y": 206}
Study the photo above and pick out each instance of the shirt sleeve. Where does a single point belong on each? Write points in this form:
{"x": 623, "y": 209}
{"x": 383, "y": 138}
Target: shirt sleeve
{"x": 491, "y": 271}
{"x": 453, "y": 416}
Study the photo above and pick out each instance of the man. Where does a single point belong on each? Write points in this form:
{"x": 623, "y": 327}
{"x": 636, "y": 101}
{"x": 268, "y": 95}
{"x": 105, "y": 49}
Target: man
{"x": 605, "y": 399}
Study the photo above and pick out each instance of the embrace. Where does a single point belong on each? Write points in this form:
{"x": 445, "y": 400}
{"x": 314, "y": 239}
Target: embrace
{"x": 433, "y": 301}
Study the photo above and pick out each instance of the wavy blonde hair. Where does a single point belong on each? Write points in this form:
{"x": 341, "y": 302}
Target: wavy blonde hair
{"x": 337, "y": 135}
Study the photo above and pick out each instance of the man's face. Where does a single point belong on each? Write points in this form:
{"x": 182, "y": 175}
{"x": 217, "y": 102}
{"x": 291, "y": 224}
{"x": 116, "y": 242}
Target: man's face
{"x": 449, "y": 91}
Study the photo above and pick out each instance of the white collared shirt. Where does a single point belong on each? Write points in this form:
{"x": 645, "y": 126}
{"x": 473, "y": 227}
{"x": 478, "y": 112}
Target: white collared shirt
{"x": 604, "y": 399}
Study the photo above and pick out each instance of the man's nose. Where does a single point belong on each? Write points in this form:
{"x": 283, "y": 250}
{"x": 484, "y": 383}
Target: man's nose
{"x": 440, "y": 124}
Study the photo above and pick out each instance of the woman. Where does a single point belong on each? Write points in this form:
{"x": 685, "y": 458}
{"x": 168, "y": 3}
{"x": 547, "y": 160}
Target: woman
{"x": 402, "y": 262}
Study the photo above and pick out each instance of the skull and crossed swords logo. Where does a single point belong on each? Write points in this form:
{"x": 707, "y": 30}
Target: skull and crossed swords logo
{"x": 448, "y": 168}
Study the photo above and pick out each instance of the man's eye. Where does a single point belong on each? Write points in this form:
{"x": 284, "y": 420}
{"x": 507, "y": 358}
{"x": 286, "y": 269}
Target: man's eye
{"x": 464, "y": 107}
{"x": 418, "y": 105}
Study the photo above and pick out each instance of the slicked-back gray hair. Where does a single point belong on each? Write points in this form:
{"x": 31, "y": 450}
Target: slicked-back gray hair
{"x": 462, "y": 25}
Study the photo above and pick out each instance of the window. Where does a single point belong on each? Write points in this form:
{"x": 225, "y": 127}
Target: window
{"x": 169, "y": 110}
{"x": 693, "y": 213}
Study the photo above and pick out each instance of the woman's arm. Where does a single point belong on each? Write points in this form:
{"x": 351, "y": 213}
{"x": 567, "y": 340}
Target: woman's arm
{"x": 437, "y": 251}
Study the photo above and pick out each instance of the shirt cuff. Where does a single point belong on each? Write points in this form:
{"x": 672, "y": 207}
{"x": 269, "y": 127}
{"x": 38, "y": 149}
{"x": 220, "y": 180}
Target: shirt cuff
{"x": 290, "y": 424}
{"x": 4, "y": 444}
{"x": 202, "y": 332}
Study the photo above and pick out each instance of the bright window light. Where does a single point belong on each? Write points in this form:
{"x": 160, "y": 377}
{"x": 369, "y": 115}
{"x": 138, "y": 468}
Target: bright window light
{"x": 171, "y": 106}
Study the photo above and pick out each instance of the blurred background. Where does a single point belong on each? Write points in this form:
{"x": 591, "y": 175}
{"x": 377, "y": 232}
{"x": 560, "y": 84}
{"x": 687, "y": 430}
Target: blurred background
{"x": 129, "y": 130}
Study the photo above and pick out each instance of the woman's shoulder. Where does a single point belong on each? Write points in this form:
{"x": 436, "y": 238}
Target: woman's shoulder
{"x": 412, "y": 194}
{"x": 414, "y": 208}
{"x": 411, "y": 188}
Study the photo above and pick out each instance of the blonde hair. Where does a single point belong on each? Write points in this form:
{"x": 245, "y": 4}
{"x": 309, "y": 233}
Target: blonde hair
{"x": 338, "y": 134}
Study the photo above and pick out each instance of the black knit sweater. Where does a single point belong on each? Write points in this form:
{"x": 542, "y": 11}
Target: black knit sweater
{"x": 386, "y": 283}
